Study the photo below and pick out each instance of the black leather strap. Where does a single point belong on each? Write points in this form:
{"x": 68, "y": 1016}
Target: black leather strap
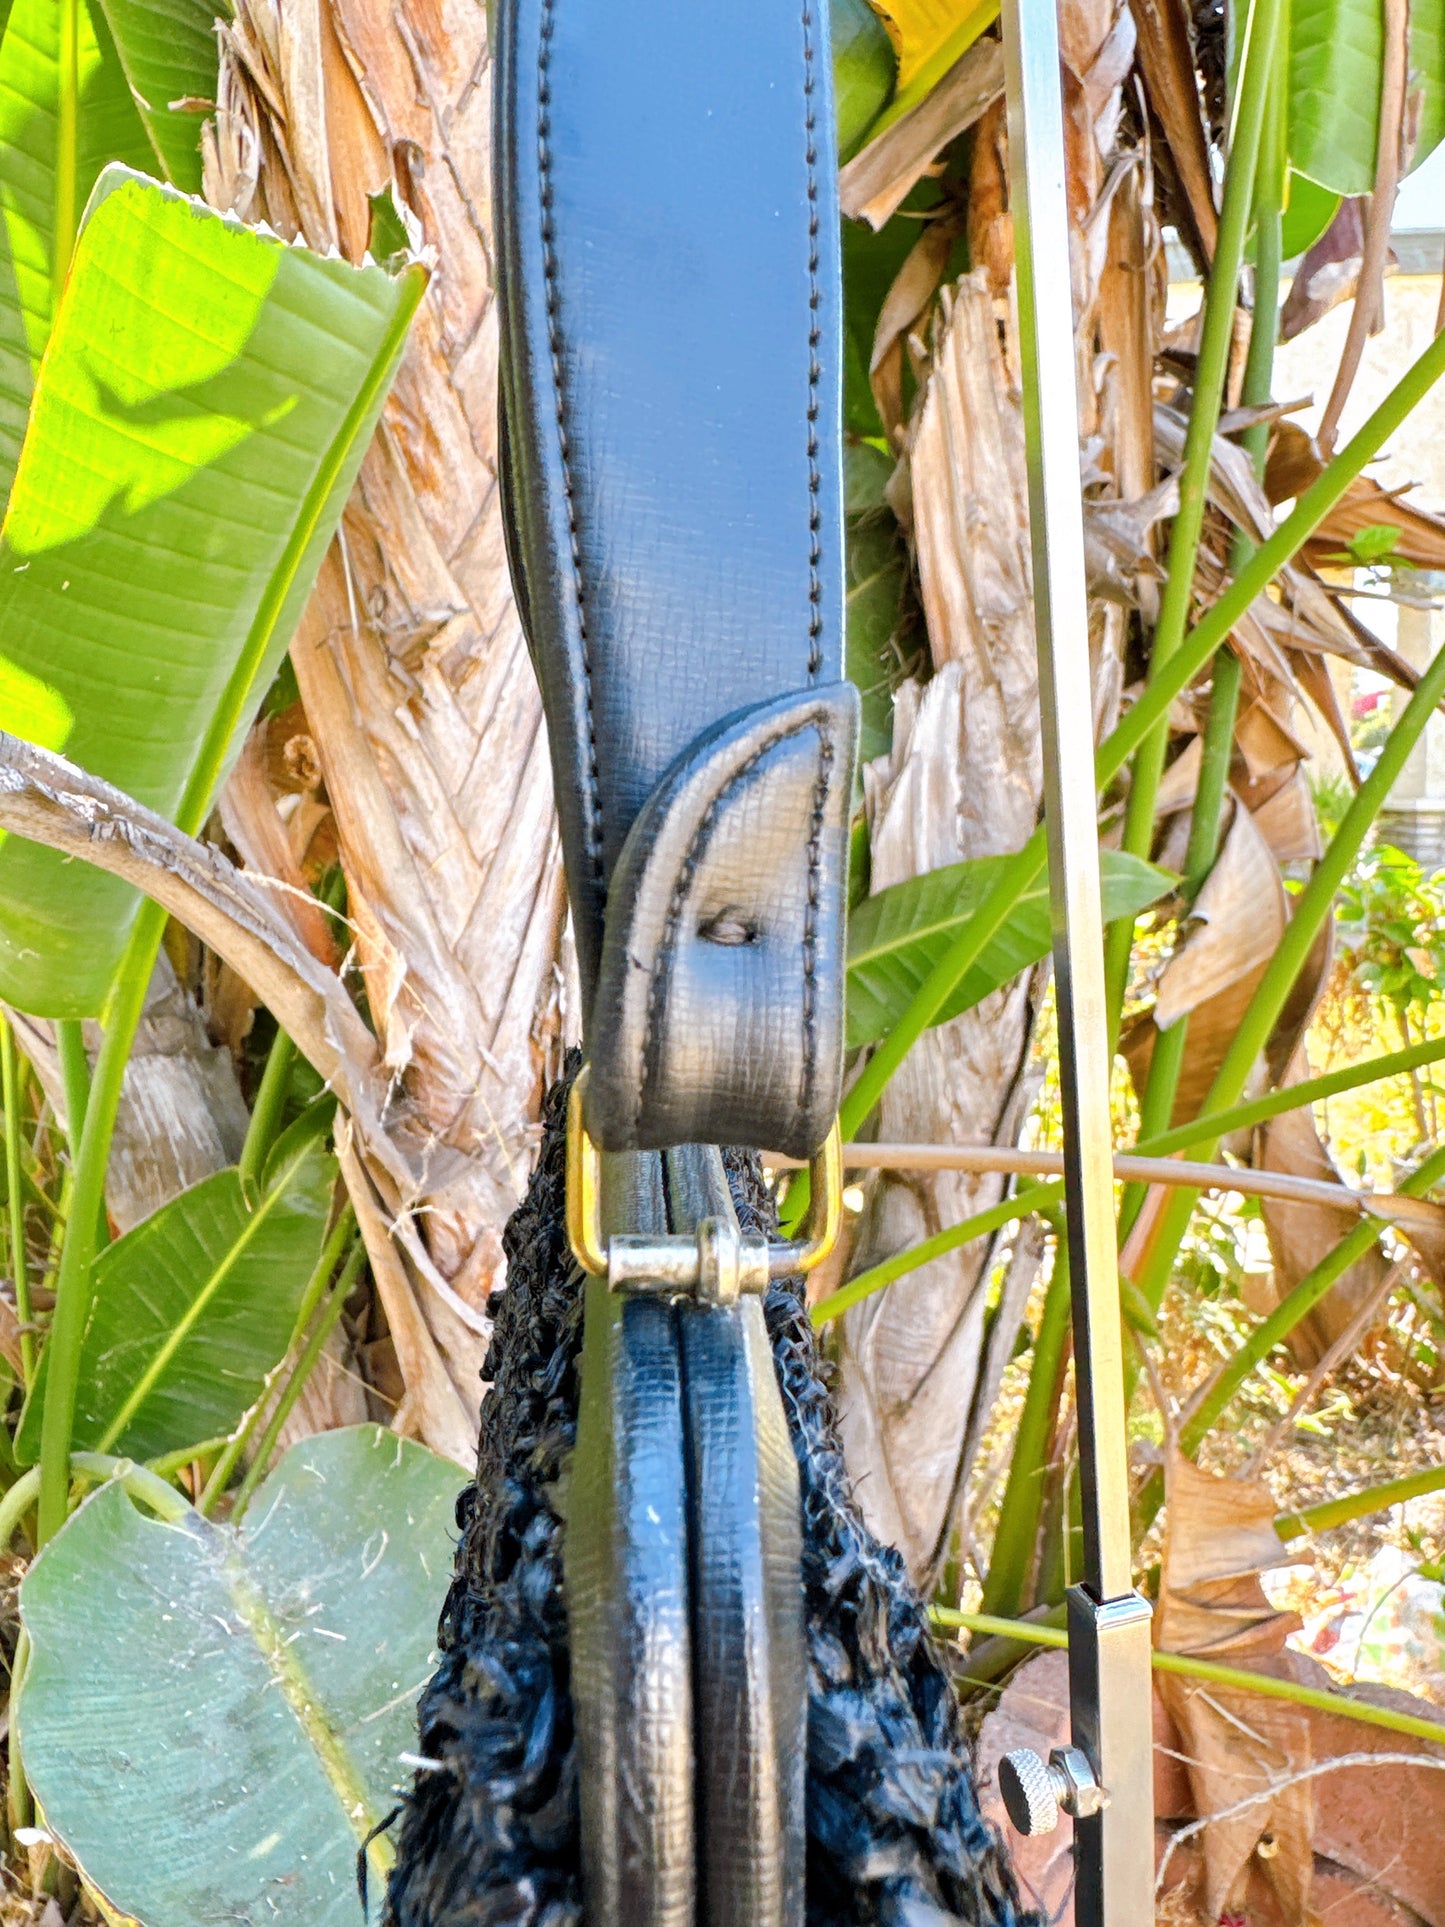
{"x": 670, "y": 374}
{"x": 670, "y": 381}
{"x": 685, "y": 1608}
{"x": 625, "y": 1558}
{"x": 750, "y": 1668}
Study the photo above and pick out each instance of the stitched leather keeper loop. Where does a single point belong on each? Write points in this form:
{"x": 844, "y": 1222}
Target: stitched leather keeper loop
{"x": 718, "y": 1012}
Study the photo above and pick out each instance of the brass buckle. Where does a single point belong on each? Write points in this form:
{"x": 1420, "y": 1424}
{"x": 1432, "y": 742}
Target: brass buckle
{"x": 720, "y": 1262}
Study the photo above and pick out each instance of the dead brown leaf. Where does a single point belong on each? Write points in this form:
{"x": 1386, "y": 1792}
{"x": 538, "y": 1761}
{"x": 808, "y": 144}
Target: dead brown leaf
{"x": 1383, "y": 1822}
{"x": 255, "y": 826}
{"x": 904, "y": 305}
{"x": 990, "y": 223}
{"x": 1295, "y": 462}
{"x": 1328, "y": 273}
{"x": 1219, "y": 1536}
{"x": 1166, "y": 57}
{"x": 1265, "y": 742}
{"x": 1287, "y": 821}
{"x": 1235, "y": 925}
{"x": 1369, "y": 1869}
{"x": 876, "y": 181}
{"x": 1300, "y": 1235}
{"x": 1132, "y": 292}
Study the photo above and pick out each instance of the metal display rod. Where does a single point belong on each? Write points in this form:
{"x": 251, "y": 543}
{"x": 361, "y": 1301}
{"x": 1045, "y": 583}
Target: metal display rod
{"x": 1105, "y": 1779}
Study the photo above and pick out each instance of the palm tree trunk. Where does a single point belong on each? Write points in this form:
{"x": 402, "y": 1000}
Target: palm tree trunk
{"x": 411, "y": 660}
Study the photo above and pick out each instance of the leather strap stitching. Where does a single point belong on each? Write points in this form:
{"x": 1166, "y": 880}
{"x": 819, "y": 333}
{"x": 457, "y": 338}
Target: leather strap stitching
{"x": 554, "y": 344}
{"x": 683, "y": 884}
{"x": 810, "y": 924}
{"x": 815, "y": 581}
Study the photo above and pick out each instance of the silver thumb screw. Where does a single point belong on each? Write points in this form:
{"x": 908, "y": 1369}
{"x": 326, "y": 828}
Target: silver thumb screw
{"x": 1033, "y": 1793}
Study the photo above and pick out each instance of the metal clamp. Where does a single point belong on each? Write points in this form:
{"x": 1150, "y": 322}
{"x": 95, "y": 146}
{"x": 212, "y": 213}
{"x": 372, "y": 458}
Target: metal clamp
{"x": 719, "y": 1262}
{"x": 1035, "y": 1793}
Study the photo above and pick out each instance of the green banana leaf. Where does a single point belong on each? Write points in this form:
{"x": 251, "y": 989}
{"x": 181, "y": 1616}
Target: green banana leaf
{"x": 104, "y": 125}
{"x": 195, "y": 1305}
{"x": 1425, "y": 98}
{"x": 896, "y": 937}
{"x": 203, "y": 408}
{"x": 877, "y": 569}
{"x": 863, "y": 70}
{"x": 213, "y": 1719}
{"x": 1309, "y": 209}
{"x": 1335, "y": 55}
{"x": 167, "y": 49}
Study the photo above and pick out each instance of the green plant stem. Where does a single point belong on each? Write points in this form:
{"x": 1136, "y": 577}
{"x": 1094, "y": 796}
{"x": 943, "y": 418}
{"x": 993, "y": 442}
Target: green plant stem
{"x": 1162, "y": 1084}
{"x": 15, "y": 1199}
{"x": 1216, "y": 751}
{"x": 140, "y": 1481}
{"x": 1265, "y": 1684}
{"x": 1016, "y": 1539}
{"x": 87, "y": 1198}
{"x": 1216, "y": 339}
{"x": 1358, "y": 1505}
{"x": 338, "y": 1238}
{"x": 1296, "y": 1305}
{"x": 20, "y": 1808}
{"x": 74, "y": 1075}
{"x": 305, "y": 1364}
{"x": 264, "y": 1127}
{"x": 67, "y": 133}
{"x": 1269, "y": 191}
{"x": 1062, "y": 1533}
{"x": 1293, "y": 1097}
{"x": 1049, "y": 1192}
{"x": 1217, "y": 746}
{"x": 235, "y": 1446}
{"x": 168, "y": 1464}
{"x": 1311, "y": 909}
{"x": 1026, "y": 1199}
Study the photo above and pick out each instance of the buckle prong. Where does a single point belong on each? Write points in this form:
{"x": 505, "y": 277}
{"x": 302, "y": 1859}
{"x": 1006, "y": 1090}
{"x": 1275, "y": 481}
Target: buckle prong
{"x": 719, "y": 1262}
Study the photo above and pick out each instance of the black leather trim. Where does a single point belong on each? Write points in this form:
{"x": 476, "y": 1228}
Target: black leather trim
{"x": 750, "y": 1669}
{"x": 625, "y": 1562}
{"x": 718, "y": 1011}
{"x": 670, "y": 380}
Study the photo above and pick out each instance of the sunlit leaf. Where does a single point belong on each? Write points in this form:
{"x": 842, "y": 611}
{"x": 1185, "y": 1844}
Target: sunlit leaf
{"x": 928, "y": 36}
{"x": 896, "y": 937}
{"x": 194, "y": 1306}
{"x": 212, "y": 1719}
{"x": 168, "y": 51}
{"x": 106, "y": 127}
{"x": 203, "y": 408}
